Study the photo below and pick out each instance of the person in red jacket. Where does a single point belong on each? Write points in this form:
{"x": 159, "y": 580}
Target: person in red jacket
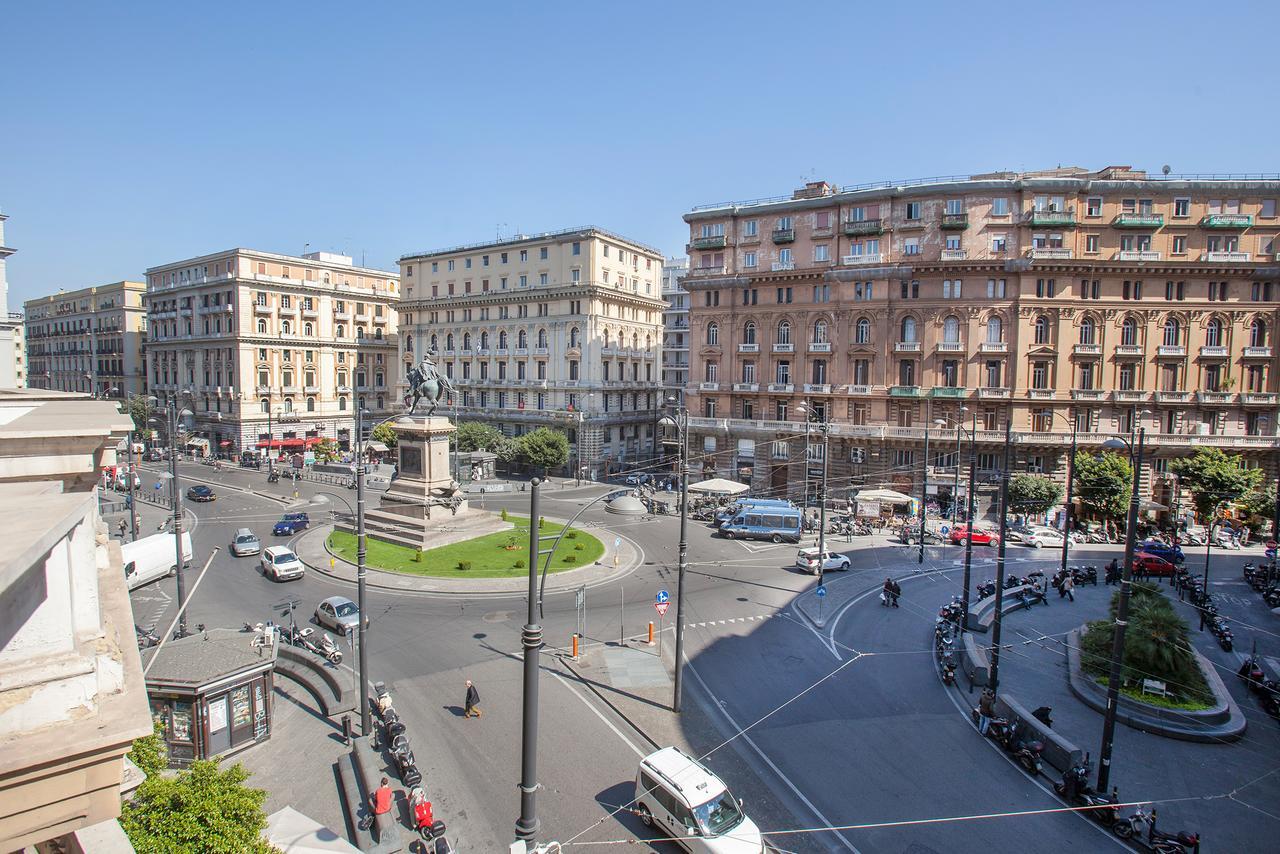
{"x": 381, "y": 798}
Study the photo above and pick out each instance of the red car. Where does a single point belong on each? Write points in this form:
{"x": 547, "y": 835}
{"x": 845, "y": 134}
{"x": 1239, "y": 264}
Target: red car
{"x": 1152, "y": 564}
{"x": 981, "y": 536}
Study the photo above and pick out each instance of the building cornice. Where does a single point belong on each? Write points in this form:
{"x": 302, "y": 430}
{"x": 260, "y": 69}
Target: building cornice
{"x": 566, "y": 235}
{"x": 272, "y": 256}
{"x": 538, "y": 294}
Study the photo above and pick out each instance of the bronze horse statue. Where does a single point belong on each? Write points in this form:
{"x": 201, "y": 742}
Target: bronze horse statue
{"x": 427, "y": 382}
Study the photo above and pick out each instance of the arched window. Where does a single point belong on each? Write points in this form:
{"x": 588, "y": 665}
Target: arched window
{"x": 1129, "y": 332}
{"x": 359, "y": 332}
{"x": 819, "y": 332}
{"x": 286, "y": 328}
{"x": 342, "y": 404}
{"x": 484, "y": 340}
{"x": 606, "y": 338}
{"x": 951, "y": 330}
{"x": 1212, "y": 333}
{"x": 749, "y": 332}
{"x": 466, "y": 341}
{"x": 862, "y": 331}
{"x": 448, "y": 342}
{"x": 266, "y": 405}
{"x": 713, "y": 334}
{"x": 1172, "y": 333}
{"x": 311, "y": 404}
{"x": 340, "y": 331}
{"x": 784, "y": 332}
{"x": 908, "y": 329}
{"x": 502, "y": 340}
{"x": 435, "y": 341}
{"x": 542, "y": 338}
{"x": 377, "y": 334}
{"x": 995, "y": 330}
{"x": 308, "y": 330}
{"x": 1088, "y": 332}
{"x": 288, "y": 404}
{"x": 1042, "y": 330}
{"x": 342, "y": 379}
{"x": 262, "y": 327}
{"x": 379, "y": 379}
{"x": 1258, "y": 333}
{"x": 522, "y": 339}
{"x": 573, "y": 337}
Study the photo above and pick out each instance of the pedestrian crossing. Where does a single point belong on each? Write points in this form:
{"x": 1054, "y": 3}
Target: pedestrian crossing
{"x": 731, "y": 621}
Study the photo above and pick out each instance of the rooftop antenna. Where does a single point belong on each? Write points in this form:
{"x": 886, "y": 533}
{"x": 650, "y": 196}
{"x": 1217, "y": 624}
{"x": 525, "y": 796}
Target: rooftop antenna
{"x": 306, "y": 247}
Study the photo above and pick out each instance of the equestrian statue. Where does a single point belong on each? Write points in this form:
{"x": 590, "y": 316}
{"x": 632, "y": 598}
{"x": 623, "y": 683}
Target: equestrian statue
{"x": 427, "y": 382}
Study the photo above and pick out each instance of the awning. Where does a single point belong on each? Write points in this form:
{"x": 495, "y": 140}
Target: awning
{"x": 718, "y": 486}
{"x": 886, "y": 496}
{"x": 198, "y": 442}
{"x": 379, "y": 447}
{"x": 292, "y": 443}
{"x": 226, "y": 443}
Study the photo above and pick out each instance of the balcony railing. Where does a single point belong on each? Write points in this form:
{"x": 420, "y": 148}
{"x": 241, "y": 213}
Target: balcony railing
{"x": 859, "y": 389}
{"x": 1257, "y": 352}
{"x": 784, "y": 235}
{"x": 1171, "y": 350}
{"x": 1226, "y": 221}
{"x": 907, "y": 347}
{"x": 991, "y": 392}
{"x": 541, "y": 351}
{"x": 1173, "y": 396}
{"x": 949, "y": 391}
{"x": 746, "y": 386}
{"x": 748, "y": 348}
{"x": 708, "y": 386}
{"x": 819, "y": 346}
{"x": 994, "y": 347}
{"x": 950, "y": 346}
{"x": 1258, "y": 398}
{"x": 783, "y": 388}
{"x": 258, "y": 308}
{"x": 954, "y": 254}
{"x": 955, "y": 221}
{"x": 1049, "y": 253}
{"x": 706, "y": 271}
{"x": 1215, "y": 397}
{"x": 817, "y": 388}
{"x": 782, "y": 266}
{"x": 857, "y": 260}
{"x": 1128, "y": 349}
{"x": 858, "y": 227}
{"x": 784, "y": 348}
{"x": 1138, "y": 255}
{"x": 1213, "y": 352}
{"x": 1130, "y": 395}
{"x": 1088, "y": 394}
{"x": 711, "y": 242}
{"x": 1225, "y": 257}
{"x": 1053, "y": 219}
{"x": 1088, "y": 349}
{"x": 1040, "y": 393}
{"x": 904, "y": 391}
{"x": 1138, "y": 220}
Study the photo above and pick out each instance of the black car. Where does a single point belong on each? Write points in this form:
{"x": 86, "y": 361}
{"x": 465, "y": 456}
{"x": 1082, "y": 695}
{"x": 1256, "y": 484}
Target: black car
{"x": 152, "y": 456}
{"x": 200, "y": 492}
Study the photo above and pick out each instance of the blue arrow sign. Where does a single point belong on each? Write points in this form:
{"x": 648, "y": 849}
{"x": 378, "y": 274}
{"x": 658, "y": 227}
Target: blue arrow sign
{"x": 662, "y": 598}
{"x": 821, "y": 591}
{"x": 1271, "y": 552}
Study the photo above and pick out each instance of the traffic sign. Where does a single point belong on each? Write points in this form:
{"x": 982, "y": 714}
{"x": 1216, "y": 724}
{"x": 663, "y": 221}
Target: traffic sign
{"x": 821, "y": 591}
{"x": 662, "y": 607}
{"x": 662, "y": 598}
{"x": 1271, "y": 552}
{"x": 945, "y": 530}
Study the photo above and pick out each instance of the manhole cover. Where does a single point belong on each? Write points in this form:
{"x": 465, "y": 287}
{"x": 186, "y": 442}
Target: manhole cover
{"x": 497, "y": 616}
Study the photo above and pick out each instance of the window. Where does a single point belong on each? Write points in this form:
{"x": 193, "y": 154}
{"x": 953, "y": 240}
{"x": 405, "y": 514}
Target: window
{"x": 821, "y": 252}
{"x": 1131, "y": 290}
{"x": 950, "y": 373}
{"x": 782, "y": 372}
{"x": 748, "y": 372}
{"x": 711, "y": 371}
{"x": 822, "y": 220}
{"x": 1039, "y": 374}
{"x": 1129, "y": 332}
{"x": 1213, "y": 377}
{"x": 1181, "y": 208}
{"x": 784, "y": 332}
{"x": 1268, "y": 209}
{"x": 713, "y": 334}
{"x": 999, "y": 242}
{"x": 1126, "y": 376}
{"x": 1174, "y": 290}
{"x": 1090, "y": 289}
{"x": 1178, "y": 245}
{"x": 951, "y": 289}
{"x": 1093, "y": 206}
{"x": 907, "y": 372}
{"x": 749, "y": 332}
{"x": 1091, "y": 243}
{"x": 862, "y": 371}
{"x": 993, "y": 373}
{"x": 784, "y": 224}
{"x": 1042, "y": 330}
{"x": 996, "y": 288}
{"x": 819, "y": 372}
{"x": 911, "y": 246}
{"x": 1087, "y": 375}
{"x": 1045, "y": 287}
{"x": 908, "y": 329}
{"x": 542, "y": 253}
{"x": 862, "y": 331}
{"x": 784, "y": 295}
{"x": 912, "y": 211}
{"x": 262, "y": 327}
{"x": 749, "y": 259}
{"x": 995, "y": 330}
{"x": 1088, "y": 331}
{"x": 822, "y": 293}
{"x": 1000, "y": 206}
{"x": 820, "y": 332}
{"x": 955, "y": 206}
{"x": 1172, "y": 333}
{"x": 751, "y": 228}
{"x": 1258, "y": 333}
{"x": 951, "y": 330}
{"x": 1212, "y": 333}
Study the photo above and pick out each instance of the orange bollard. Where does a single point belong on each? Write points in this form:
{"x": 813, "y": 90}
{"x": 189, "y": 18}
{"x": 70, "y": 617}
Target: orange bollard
{"x": 651, "y": 633}
{"x": 575, "y": 646}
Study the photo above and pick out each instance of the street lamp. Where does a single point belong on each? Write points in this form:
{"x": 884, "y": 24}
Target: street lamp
{"x": 970, "y": 512}
{"x": 175, "y": 496}
{"x": 1122, "y": 608}
{"x": 678, "y": 420}
{"x": 924, "y": 485}
{"x": 133, "y": 472}
{"x": 955, "y": 490}
{"x": 531, "y": 641}
{"x": 1071, "y": 473}
{"x": 1000, "y": 552}
{"x": 819, "y": 416}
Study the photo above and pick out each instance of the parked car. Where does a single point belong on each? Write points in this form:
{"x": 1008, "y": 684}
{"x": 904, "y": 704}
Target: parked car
{"x": 1153, "y": 564}
{"x": 1160, "y": 548}
{"x": 291, "y": 524}
{"x": 153, "y": 456}
{"x": 981, "y": 536}
{"x": 686, "y": 802}
{"x": 339, "y": 614}
{"x": 122, "y": 482}
{"x": 1040, "y": 537}
{"x": 245, "y": 542}
{"x": 1015, "y": 533}
{"x": 910, "y": 534}
{"x": 281, "y": 564}
{"x": 807, "y": 560}
{"x": 200, "y": 492}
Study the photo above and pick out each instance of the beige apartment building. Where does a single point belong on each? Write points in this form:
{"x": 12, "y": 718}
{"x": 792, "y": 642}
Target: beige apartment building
{"x": 259, "y": 345}
{"x": 559, "y": 329}
{"x": 89, "y": 340}
{"x": 1106, "y": 300}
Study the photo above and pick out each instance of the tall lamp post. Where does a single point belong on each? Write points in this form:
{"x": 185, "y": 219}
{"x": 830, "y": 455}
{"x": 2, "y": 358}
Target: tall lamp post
{"x": 998, "y": 622}
{"x": 819, "y": 416}
{"x": 678, "y": 420}
{"x": 175, "y": 497}
{"x": 1067, "y": 504}
{"x": 924, "y": 486}
{"x": 955, "y": 490}
{"x": 971, "y": 511}
{"x": 1122, "y": 608}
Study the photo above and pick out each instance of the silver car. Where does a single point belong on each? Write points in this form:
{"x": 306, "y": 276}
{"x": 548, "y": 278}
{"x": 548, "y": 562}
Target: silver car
{"x": 339, "y": 614}
{"x": 245, "y": 542}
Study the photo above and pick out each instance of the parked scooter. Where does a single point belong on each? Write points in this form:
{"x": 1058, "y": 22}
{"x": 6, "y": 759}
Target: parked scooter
{"x": 1222, "y": 632}
{"x": 306, "y": 638}
{"x": 1076, "y": 790}
{"x": 1141, "y": 829}
{"x": 273, "y": 477}
{"x": 406, "y": 765}
{"x": 423, "y": 819}
{"x": 988, "y": 589}
{"x": 949, "y": 668}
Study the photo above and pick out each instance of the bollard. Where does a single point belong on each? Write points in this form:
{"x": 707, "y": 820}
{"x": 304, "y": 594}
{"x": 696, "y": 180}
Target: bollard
{"x": 346, "y": 730}
{"x": 331, "y": 564}
{"x": 651, "y": 633}
{"x": 575, "y": 646}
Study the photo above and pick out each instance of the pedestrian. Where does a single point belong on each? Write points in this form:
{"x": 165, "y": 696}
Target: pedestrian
{"x": 895, "y": 592}
{"x": 380, "y": 800}
{"x": 472, "y": 702}
{"x": 1069, "y": 587}
{"x": 123, "y": 527}
{"x": 886, "y": 591}
{"x": 986, "y": 710}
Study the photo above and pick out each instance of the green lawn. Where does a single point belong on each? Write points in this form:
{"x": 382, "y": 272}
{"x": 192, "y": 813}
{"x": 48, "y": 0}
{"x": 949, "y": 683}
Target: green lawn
{"x": 489, "y": 555}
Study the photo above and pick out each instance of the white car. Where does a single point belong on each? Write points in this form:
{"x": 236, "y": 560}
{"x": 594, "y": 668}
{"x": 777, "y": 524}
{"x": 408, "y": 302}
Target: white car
{"x": 1040, "y": 537}
{"x": 807, "y": 560}
{"x": 281, "y": 564}
{"x": 686, "y": 803}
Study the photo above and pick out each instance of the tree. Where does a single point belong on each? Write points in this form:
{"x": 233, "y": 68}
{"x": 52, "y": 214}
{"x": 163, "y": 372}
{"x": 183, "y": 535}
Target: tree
{"x": 1214, "y": 477}
{"x": 1104, "y": 483}
{"x": 150, "y": 753}
{"x": 325, "y": 450}
{"x": 385, "y": 434}
{"x": 140, "y": 408}
{"x": 1030, "y": 493}
{"x": 543, "y": 449}
{"x": 477, "y": 436}
{"x": 1260, "y": 504}
{"x": 203, "y": 808}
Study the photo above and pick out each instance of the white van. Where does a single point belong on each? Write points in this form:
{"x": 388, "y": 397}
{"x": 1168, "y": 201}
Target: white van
{"x": 152, "y": 557}
{"x": 688, "y": 803}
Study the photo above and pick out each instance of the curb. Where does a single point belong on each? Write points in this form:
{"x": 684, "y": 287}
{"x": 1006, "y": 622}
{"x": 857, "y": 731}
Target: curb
{"x": 586, "y": 683}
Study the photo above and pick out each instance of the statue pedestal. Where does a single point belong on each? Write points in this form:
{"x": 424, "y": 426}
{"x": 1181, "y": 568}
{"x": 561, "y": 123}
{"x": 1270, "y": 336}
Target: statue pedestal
{"x": 424, "y": 507}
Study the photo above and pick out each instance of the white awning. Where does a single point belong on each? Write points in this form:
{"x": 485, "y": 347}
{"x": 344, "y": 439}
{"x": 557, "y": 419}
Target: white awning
{"x": 198, "y": 442}
{"x": 377, "y": 447}
{"x": 719, "y": 486}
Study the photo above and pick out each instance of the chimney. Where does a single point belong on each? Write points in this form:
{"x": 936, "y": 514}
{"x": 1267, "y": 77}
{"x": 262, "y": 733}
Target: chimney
{"x": 814, "y": 190}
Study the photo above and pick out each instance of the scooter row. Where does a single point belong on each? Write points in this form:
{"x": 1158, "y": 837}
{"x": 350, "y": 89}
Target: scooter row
{"x": 1266, "y": 689}
{"x": 1139, "y": 828}
{"x": 397, "y": 742}
{"x": 303, "y": 637}
{"x": 1263, "y": 579}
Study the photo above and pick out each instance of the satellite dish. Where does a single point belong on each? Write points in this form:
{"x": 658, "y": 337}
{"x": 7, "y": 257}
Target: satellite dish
{"x": 1165, "y": 169}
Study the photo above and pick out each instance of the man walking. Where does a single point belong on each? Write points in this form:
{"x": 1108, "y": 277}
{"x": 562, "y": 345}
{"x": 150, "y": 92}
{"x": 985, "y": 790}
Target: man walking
{"x": 895, "y": 591}
{"x": 472, "y": 702}
{"x": 1069, "y": 587}
{"x": 986, "y": 710}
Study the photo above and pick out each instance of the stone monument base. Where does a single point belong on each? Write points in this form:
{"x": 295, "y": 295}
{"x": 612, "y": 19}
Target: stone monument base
{"x": 406, "y": 525}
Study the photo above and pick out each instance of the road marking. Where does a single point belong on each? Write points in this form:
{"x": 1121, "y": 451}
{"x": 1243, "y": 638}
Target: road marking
{"x": 637, "y": 751}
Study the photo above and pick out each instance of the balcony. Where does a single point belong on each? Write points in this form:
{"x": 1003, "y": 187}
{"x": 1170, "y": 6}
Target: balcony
{"x": 950, "y": 346}
{"x": 1257, "y": 352}
{"x": 1258, "y": 398}
{"x": 954, "y": 254}
{"x": 344, "y": 389}
{"x": 541, "y": 351}
{"x": 784, "y": 348}
{"x": 1213, "y": 352}
{"x": 859, "y": 389}
{"x": 994, "y": 347}
{"x": 954, "y": 222}
{"x": 1138, "y": 220}
{"x": 783, "y": 388}
{"x": 819, "y": 346}
{"x": 1040, "y": 393}
{"x": 708, "y": 386}
{"x": 378, "y": 318}
{"x": 859, "y": 227}
{"x": 264, "y": 389}
{"x": 501, "y": 351}
{"x": 710, "y": 242}
{"x": 1049, "y": 253}
{"x": 1128, "y": 349}
{"x": 1225, "y": 257}
{"x": 1088, "y": 394}
{"x": 311, "y": 389}
{"x": 949, "y": 391}
{"x": 858, "y": 260}
{"x": 1087, "y": 349}
{"x": 310, "y": 312}
{"x": 748, "y": 348}
{"x": 1130, "y": 395}
{"x": 1169, "y": 350}
{"x": 706, "y": 270}
{"x": 1051, "y": 219}
{"x": 746, "y": 387}
{"x": 784, "y": 235}
{"x": 817, "y": 388}
{"x": 1215, "y": 398}
{"x": 521, "y": 351}
{"x": 782, "y": 266}
{"x": 1226, "y": 221}
{"x": 907, "y": 347}
{"x": 1138, "y": 255}
{"x": 258, "y": 308}
{"x": 993, "y": 393}
{"x": 342, "y": 315}
{"x": 289, "y": 309}
{"x": 1173, "y": 397}
{"x": 904, "y": 391}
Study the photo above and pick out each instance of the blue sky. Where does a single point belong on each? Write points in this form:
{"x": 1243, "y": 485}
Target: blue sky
{"x": 136, "y": 134}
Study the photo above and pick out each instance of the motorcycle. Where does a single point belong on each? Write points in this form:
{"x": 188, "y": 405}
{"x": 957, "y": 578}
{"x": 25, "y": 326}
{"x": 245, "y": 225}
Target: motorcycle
{"x": 406, "y": 765}
{"x": 147, "y": 638}
{"x": 948, "y": 669}
{"x": 986, "y": 590}
{"x": 1134, "y": 828}
{"x": 1096, "y": 538}
{"x": 273, "y": 477}
{"x": 1025, "y": 751}
{"x": 423, "y": 819}
{"x": 1222, "y": 632}
{"x": 1085, "y": 575}
{"x": 1076, "y": 790}
{"x": 305, "y": 638}
{"x": 1272, "y": 597}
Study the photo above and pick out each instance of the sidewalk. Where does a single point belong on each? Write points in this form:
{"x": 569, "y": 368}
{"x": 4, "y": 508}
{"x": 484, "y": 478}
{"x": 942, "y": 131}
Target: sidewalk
{"x": 311, "y": 548}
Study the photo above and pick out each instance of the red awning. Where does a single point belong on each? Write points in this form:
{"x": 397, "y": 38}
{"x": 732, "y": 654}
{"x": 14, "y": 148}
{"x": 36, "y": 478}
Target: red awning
{"x": 225, "y": 443}
{"x": 291, "y": 443}
{"x": 314, "y": 440}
